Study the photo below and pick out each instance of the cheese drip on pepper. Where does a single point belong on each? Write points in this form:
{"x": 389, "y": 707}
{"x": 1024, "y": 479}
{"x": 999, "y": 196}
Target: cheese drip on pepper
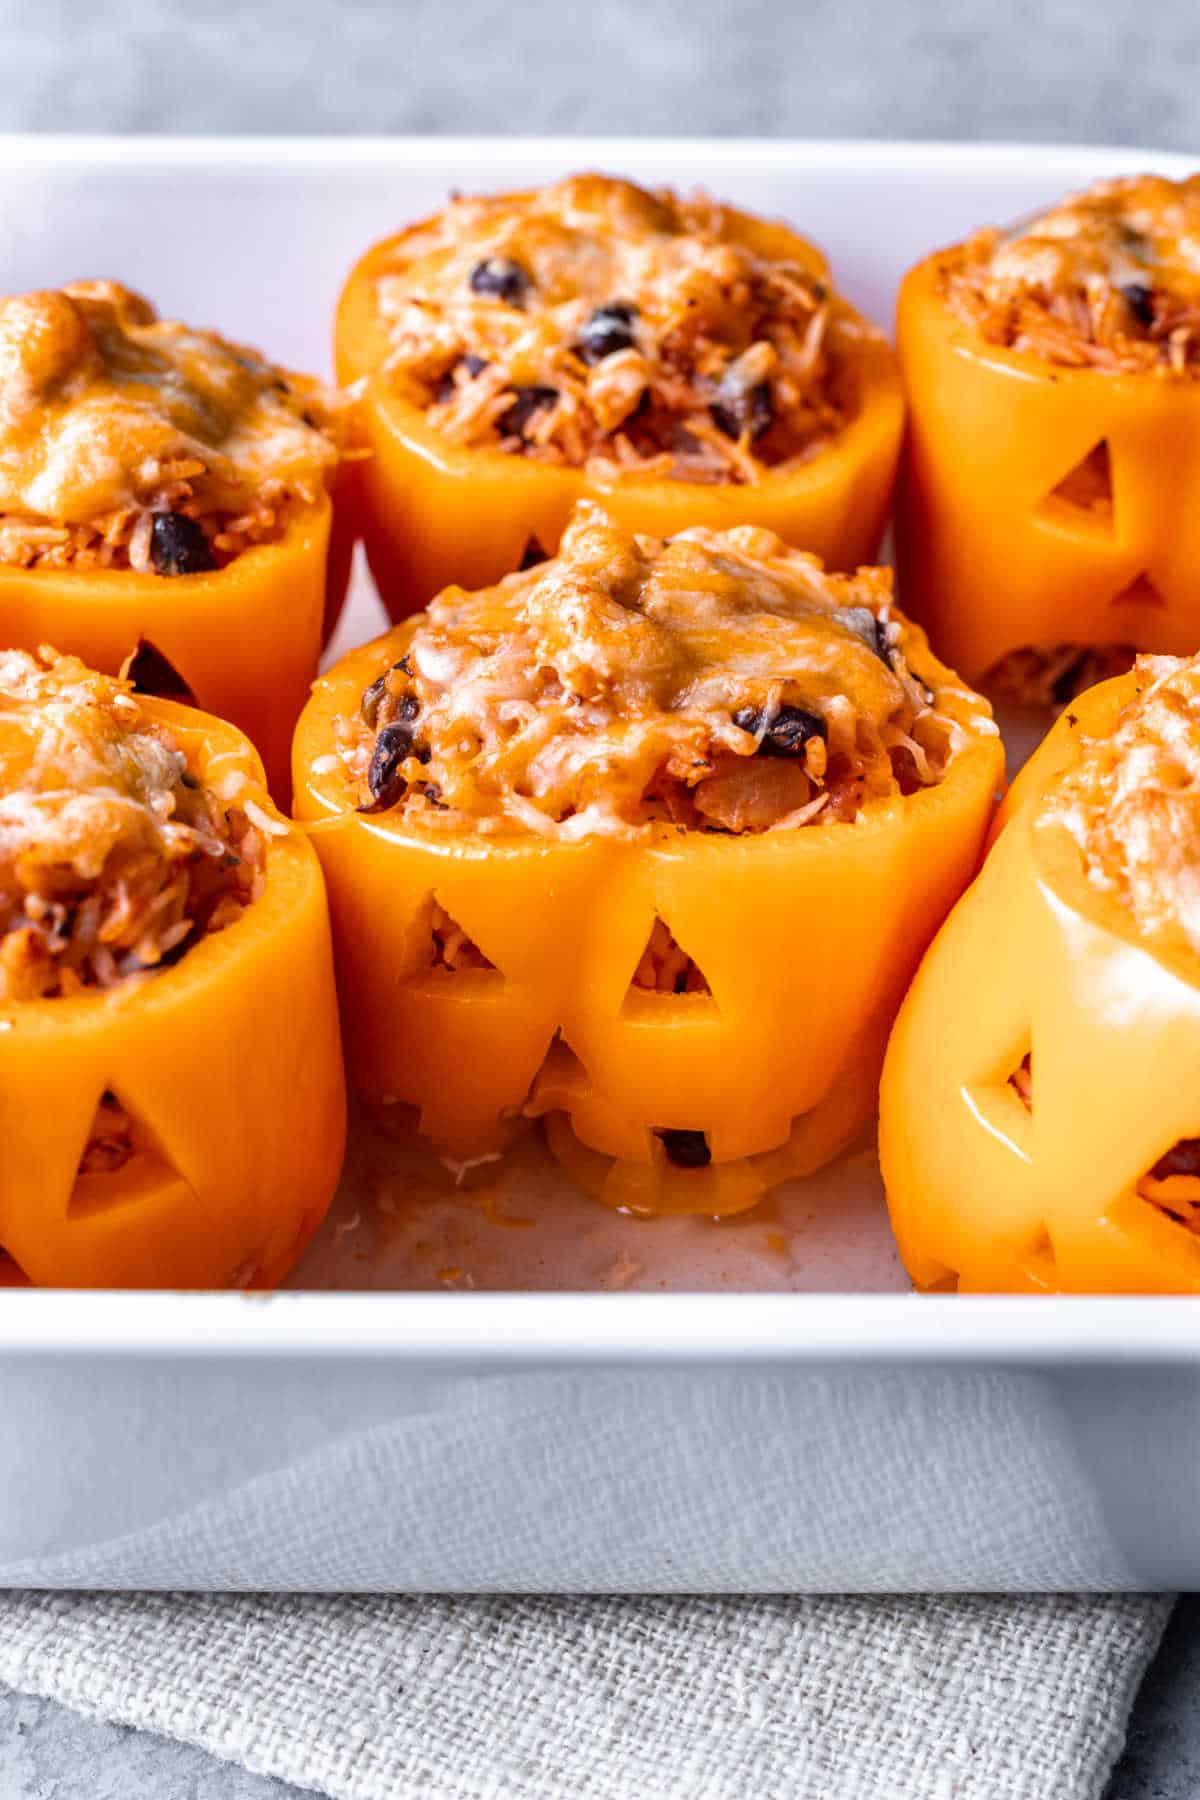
{"x": 715, "y": 681}
{"x": 110, "y": 416}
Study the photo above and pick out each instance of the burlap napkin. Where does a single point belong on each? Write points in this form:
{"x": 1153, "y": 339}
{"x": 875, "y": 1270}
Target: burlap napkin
{"x": 610, "y": 1699}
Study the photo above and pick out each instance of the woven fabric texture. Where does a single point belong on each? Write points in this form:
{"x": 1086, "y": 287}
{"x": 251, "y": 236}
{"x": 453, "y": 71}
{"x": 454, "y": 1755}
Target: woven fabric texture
{"x": 443, "y": 1698}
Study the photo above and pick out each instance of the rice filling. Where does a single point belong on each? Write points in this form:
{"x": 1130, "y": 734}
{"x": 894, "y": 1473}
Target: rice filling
{"x": 114, "y": 858}
{"x": 1106, "y": 280}
{"x": 130, "y": 442}
{"x": 712, "y": 682}
{"x": 597, "y": 325}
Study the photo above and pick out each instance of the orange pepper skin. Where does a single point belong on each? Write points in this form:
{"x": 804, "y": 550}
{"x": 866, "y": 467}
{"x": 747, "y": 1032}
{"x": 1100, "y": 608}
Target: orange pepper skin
{"x": 984, "y": 1195}
{"x": 245, "y": 638}
{"x": 228, "y": 1064}
{"x": 989, "y": 562}
{"x": 807, "y": 940}
{"x": 431, "y": 513}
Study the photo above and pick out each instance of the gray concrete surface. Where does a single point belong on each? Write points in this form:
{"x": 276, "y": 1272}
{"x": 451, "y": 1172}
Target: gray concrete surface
{"x": 1117, "y": 71}
{"x": 48, "y": 1753}
{"x": 1162, "y": 1756}
{"x": 1066, "y": 70}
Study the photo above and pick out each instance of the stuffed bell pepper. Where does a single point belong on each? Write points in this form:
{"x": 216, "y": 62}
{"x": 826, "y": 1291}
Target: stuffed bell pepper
{"x": 645, "y": 841}
{"x": 684, "y": 363}
{"x": 1040, "y": 1110}
{"x": 172, "y": 1109}
{"x": 1046, "y": 527}
{"x": 159, "y": 482}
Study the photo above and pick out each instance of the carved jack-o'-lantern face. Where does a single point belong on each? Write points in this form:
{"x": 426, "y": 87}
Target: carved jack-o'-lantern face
{"x": 1042, "y": 505}
{"x": 484, "y": 978}
{"x": 1004, "y": 1174}
{"x": 167, "y": 1131}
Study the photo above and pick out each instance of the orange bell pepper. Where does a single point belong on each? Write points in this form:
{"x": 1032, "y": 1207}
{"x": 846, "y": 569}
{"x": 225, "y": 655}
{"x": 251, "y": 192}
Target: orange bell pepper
{"x": 985, "y": 1194}
{"x": 228, "y": 1065}
{"x": 246, "y": 638}
{"x": 992, "y": 559}
{"x": 431, "y": 513}
{"x": 807, "y": 939}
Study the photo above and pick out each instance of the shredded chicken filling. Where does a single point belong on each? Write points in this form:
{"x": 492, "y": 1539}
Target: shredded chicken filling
{"x": 1106, "y": 280}
{"x": 1051, "y": 676}
{"x": 114, "y": 858}
{"x": 594, "y": 323}
{"x": 127, "y": 441}
{"x": 1132, "y": 804}
{"x": 717, "y": 682}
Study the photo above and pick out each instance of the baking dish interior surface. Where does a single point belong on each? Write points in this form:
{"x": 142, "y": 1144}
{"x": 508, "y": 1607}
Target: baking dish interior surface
{"x": 255, "y": 238}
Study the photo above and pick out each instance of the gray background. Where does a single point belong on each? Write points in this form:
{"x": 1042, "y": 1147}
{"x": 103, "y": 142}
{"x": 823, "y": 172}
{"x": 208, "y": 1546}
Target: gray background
{"x": 1106, "y": 71}
{"x": 1114, "y": 71}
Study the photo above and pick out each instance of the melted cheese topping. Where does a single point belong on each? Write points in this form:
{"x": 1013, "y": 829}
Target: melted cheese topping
{"x": 593, "y": 322}
{"x": 712, "y": 681}
{"x": 1132, "y": 804}
{"x": 109, "y": 414}
{"x": 1108, "y": 279}
{"x": 112, "y": 855}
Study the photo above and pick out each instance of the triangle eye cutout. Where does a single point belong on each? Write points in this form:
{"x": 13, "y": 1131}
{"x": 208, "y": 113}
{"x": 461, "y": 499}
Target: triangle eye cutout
{"x": 110, "y": 1140}
{"x": 1021, "y": 1082}
{"x": 1084, "y": 496}
{"x": 1141, "y": 591}
{"x": 666, "y": 968}
{"x": 450, "y": 947}
{"x": 120, "y": 1161}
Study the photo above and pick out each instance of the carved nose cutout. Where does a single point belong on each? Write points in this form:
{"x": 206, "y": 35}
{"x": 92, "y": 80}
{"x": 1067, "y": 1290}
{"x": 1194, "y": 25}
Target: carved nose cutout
{"x": 665, "y": 967}
{"x": 1083, "y": 499}
{"x": 1141, "y": 591}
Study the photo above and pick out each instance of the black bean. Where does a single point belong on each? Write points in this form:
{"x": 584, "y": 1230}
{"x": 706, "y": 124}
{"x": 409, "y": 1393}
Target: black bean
{"x": 869, "y": 628}
{"x": 501, "y": 279}
{"x": 153, "y": 673}
{"x": 393, "y": 747}
{"x": 1140, "y": 300}
{"x": 686, "y": 1149}
{"x": 178, "y": 545}
{"x": 739, "y": 408}
{"x": 609, "y": 329}
{"x": 373, "y": 697}
{"x": 788, "y": 732}
{"x": 368, "y": 706}
{"x": 447, "y": 386}
{"x": 1182, "y": 1159}
{"x": 532, "y": 555}
{"x": 528, "y": 402}
{"x": 1070, "y": 680}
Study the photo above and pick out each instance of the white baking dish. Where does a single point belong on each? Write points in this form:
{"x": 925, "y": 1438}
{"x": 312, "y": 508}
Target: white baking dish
{"x": 833, "y": 1433}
